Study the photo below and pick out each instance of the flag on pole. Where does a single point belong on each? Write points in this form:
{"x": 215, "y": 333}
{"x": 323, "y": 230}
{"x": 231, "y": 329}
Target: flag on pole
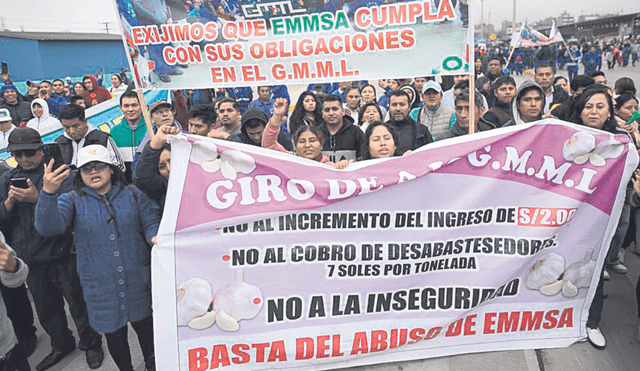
{"x": 554, "y": 34}
{"x": 530, "y": 37}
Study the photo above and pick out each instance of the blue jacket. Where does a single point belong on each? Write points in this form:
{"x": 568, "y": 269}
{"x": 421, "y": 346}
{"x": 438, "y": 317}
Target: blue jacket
{"x": 112, "y": 233}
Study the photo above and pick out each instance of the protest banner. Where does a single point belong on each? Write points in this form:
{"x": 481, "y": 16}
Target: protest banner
{"x": 284, "y": 42}
{"x": 485, "y": 242}
{"x": 529, "y": 37}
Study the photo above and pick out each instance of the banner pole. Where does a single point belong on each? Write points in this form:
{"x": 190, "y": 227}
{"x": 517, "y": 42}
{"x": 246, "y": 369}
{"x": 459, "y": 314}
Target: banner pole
{"x": 145, "y": 113}
{"x": 472, "y": 105}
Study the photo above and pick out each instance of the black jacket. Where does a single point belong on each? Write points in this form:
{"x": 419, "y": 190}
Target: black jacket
{"x": 148, "y": 178}
{"x": 411, "y": 135}
{"x": 25, "y": 239}
{"x": 94, "y": 137}
{"x": 457, "y": 131}
{"x": 20, "y": 112}
{"x": 559, "y": 96}
{"x": 348, "y": 138}
{"x": 498, "y": 115}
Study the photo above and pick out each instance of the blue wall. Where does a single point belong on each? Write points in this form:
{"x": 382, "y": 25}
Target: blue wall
{"x": 48, "y": 59}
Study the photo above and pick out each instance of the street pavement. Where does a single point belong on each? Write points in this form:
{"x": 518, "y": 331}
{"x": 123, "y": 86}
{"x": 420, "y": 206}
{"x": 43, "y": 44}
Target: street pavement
{"x": 619, "y": 325}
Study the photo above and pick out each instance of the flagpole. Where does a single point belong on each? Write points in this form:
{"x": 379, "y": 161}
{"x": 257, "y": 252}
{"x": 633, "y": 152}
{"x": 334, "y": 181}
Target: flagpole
{"x": 513, "y": 48}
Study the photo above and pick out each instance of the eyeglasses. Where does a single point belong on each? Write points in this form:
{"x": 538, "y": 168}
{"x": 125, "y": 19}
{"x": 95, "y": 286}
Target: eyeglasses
{"x": 25, "y": 153}
{"x": 87, "y": 168}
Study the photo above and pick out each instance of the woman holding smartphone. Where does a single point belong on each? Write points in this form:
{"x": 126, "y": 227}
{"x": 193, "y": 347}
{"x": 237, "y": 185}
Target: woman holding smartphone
{"x": 114, "y": 226}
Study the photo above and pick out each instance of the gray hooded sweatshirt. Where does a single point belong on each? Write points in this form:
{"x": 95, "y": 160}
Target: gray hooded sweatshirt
{"x": 525, "y": 87}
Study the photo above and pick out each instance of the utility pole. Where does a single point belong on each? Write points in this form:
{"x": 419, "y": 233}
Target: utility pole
{"x": 481, "y": 18}
{"x": 513, "y": 22}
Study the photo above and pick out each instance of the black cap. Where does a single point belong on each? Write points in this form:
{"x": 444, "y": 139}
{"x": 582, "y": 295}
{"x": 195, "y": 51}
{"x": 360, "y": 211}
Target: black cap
{"x": 24, "y": 139}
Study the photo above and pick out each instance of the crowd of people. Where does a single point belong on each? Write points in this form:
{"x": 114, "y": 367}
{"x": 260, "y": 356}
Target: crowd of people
{"x": 590, "y": 54}
{"x": 84, "y": 226}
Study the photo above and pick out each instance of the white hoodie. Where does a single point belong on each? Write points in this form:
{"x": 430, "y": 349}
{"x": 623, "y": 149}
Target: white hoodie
{"x": 44, "y": 124}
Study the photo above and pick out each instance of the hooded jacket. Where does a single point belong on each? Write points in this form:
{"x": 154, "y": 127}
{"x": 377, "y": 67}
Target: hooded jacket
{"x": 44, "y": 124}
{"x": 257, "y": 114}
{"x": 98, "y": 93}
{"x": 525, "y": 86}
{"x": 69, "y": 147}
{"x": 345, "y": 144}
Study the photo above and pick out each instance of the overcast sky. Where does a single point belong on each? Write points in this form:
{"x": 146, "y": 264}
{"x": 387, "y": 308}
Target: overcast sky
{"x": 89, "y": 15}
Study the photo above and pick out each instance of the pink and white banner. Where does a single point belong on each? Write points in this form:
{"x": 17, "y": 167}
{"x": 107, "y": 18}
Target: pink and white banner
{"x": 485, "y": 242}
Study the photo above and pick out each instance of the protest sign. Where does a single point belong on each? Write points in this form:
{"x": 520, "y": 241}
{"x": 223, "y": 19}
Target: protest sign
{"x": 282, "y": 42}
{"x": 485, "y": 242}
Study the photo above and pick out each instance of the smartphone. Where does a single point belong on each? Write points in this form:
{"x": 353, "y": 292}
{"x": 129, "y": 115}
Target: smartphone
{"x": 5, "y": 68}
{"x": 19, "y": 183}
{"x": 52, "y": 151}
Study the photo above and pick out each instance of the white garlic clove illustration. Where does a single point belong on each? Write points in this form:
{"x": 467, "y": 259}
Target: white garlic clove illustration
{"x": 545, "y": 271}
{"x": 569, "y": 289}
{"x": 211, "y": 166}
{"x": 580, "y": 273}
{"x": 203, "y": 151}
{"x": 596, "y": 160}
{"x": 226, "y": 323}
{"x": 239, "y": 300}
{"x": 579, "y": 144}
{"x": 609, "y": 149}
{"x": 552, "y": 288}
{"x": 582, "y": 159}
{"x": 203, "y": 322}
{"x": 239, "y": 161}
{"x": 193, "y": 300}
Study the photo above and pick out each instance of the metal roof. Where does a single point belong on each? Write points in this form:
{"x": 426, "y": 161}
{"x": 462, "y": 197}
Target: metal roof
{"x": 60, "y": 36}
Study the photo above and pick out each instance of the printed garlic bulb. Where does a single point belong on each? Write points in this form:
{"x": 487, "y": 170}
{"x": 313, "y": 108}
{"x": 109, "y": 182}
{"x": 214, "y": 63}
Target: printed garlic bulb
{"x": 545, "y": 271}
{"x": 239, "y": 300}
{"x": 578, "y": 275}
{"x": 194, "y": 298}
{"x": 609, "y": 149}
{"x": 577, "y": 148}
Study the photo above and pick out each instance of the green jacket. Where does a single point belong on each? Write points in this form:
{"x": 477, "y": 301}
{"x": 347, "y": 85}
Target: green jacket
{"x": 127, "y": 138}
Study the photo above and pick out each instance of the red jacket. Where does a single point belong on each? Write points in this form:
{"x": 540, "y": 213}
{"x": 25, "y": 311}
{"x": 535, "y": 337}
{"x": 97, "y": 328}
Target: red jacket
{"x": 98, "y": 93}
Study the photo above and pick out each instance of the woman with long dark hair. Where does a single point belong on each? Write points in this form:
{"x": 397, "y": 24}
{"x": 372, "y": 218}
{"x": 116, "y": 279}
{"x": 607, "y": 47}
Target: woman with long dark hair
{"x": 380, "y": 141}
{"x": 594, "y": 108}
{"x": 114, "y": 226}
{"x": 307, "y": 112}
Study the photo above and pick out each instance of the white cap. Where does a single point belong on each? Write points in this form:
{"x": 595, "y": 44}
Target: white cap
{"x": 5, "y": 115}
{"x": 433, "y": 85}
{"x": 94, "y": 152}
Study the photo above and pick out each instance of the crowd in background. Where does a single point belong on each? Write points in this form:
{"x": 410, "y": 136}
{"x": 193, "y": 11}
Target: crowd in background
{"x": 85, "y": 225}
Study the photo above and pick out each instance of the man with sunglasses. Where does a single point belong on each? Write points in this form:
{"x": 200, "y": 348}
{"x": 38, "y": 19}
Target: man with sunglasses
{"x": 53, "y": 274}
